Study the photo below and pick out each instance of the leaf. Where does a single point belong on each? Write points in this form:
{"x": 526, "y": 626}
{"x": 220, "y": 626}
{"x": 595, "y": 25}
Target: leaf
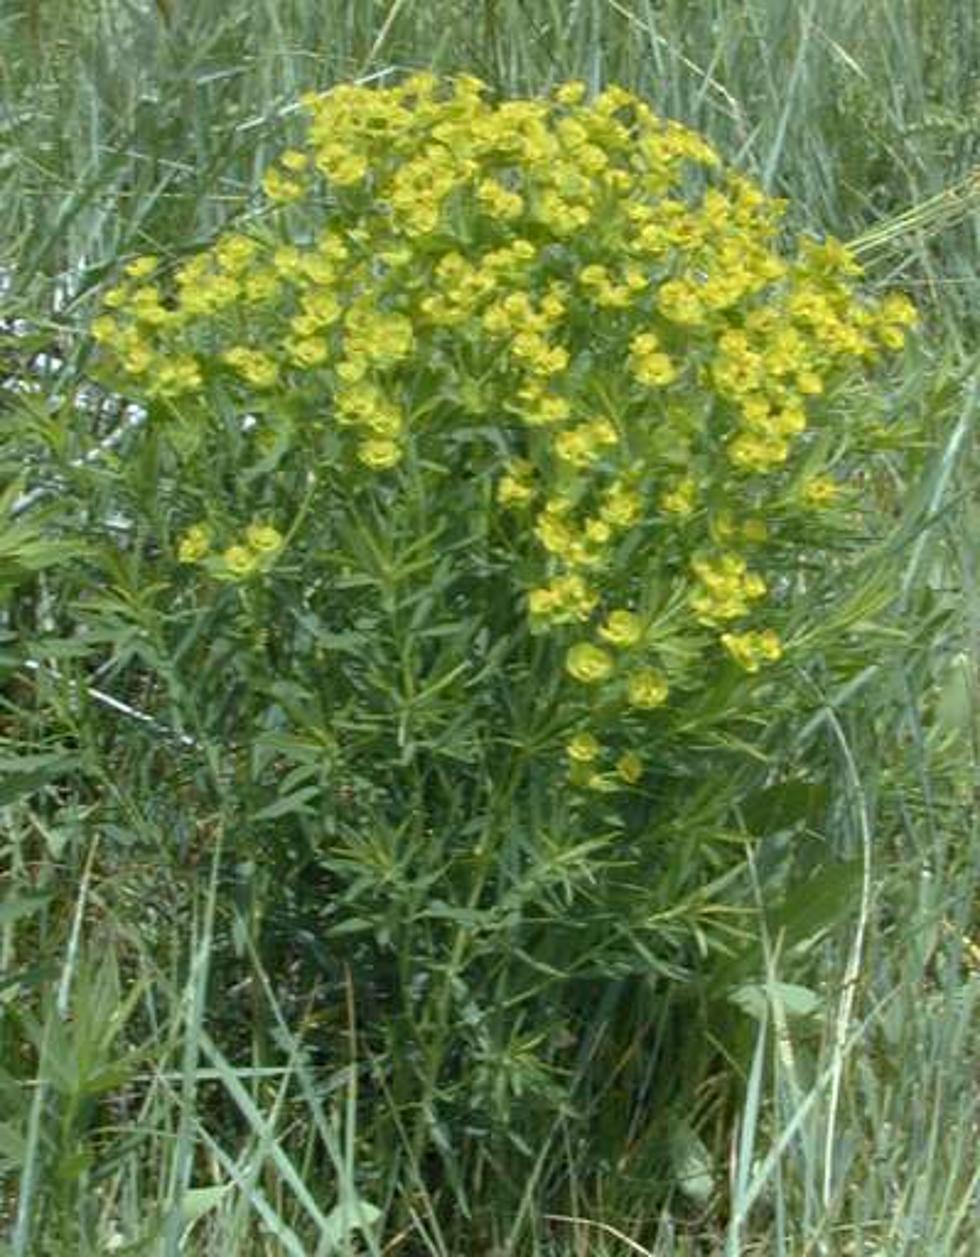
{"x": 813, "y": 906}
{"x": 348, "y": 1216}
{"x": 781, "y": 807}
{"x": 956, "y": 708}
{"x": 691, "y": 1162}
{"x": 14, "y": 907}
{"x": 806, "y": 911}
{"x": 795, "y": 1001}
{"x": 353, "y": 925}
{"x": 13, "y": 1146}
{"x": 31, "y": 763}
{"x": 292, "y": 803}
{"x": 197, "y": 1201}
{"x": 20, "y": 785}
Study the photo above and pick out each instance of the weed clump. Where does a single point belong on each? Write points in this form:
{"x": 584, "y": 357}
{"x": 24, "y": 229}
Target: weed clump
{"x": 506, "y": 465}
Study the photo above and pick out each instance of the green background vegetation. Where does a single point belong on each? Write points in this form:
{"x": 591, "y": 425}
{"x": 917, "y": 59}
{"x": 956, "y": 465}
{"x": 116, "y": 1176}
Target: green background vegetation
{"x": 162, "y": 1043}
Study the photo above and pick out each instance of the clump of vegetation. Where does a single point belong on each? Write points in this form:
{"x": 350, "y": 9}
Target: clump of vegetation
{"x": 493, "y": 474}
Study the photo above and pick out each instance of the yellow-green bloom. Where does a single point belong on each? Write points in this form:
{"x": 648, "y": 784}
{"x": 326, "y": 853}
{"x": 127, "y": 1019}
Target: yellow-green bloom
{"x": 194, "y": 544}
{"x": 278, "y": 187}
{"x": 819, "y": 491}
{"x": 663, "y": 382}
{"x": 583, "y": 748}
{"x": 310, "y": 351}
{"x": 681, "y": 499}
{"x": 139, "y": 268}
{"x": 621, "y": 507}
{"x": 380, "y": 454}
{"x": 622, "y": 628}
{"x": 588, "y": 664}
{"x": 235, "y": 252}
{"x": 263, "y": 538}
{"x": 512, "y": 490}
{"x": 647, "y": 689}
{"x": 751, "y": 649}
{"x": 240, "y": 560}
{"x": 570, "y": 93}
{"x": 257, "y": 368}
{"x": 629, "y": 766}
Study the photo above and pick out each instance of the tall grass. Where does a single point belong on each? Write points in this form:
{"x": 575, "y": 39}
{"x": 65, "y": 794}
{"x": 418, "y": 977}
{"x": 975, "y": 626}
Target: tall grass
{"x": 145, "y": 1109}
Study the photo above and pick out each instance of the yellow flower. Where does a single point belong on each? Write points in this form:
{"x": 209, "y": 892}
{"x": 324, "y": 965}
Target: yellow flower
{"x": 602, "y": 432}
{"x": 681, "y": 302}
{"x": 263, "y": 538}
{"x": 629, "y": 766}
{"x": 809, "y": 383}
{"x": 621, "y": 507}
{"x": 261, "y": 286}
{"x": 541, "y": 602}
{"x": 194, "y": 544}
{"x": 751, "y": 649}
{"x": 571, "y": 93}
{"x": 498, "y": 201}
{"x": 351, "y": 370}
{"x": 240, "y": 560}
{"x": 583, "y": 748}
{"x": 645, "y": 296}
{"x": 654, "y": 370}
{"x": 137, "y": 359}
{"x": 647, "y": 689}
{"x": 175, "y": 376}
{"x": 897, "y": 308}
{"x": 310, "y": 352}
{"x": 235, "y": 252}
{"x": 105, "y": 330}
{"x": 115, "y": 298}
{"x": 513, "y": 491}
{"x": 278, "y": 187}
{"x": 588, "y": 664}
{"x": 380, "y": 454}
{"x": 294, "y": 160}
{"x": 340, "y": 166}
{"x": 681, "y": 499}
{"x": 819, "y": 491}
{"x": 576, "y": 446}
{"x": 139, "y": 268}
{"x": 593, "y": 276}
{"x": 597, "y": 531}
{"x": 258, "y": 369}
{"x": 622, "y": 628}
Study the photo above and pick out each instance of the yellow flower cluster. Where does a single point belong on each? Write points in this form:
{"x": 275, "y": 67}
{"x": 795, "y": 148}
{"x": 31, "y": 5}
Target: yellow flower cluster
{"x": 681, "y": 499}
{"x": 241, "y": 559}
{"x": 648, "y": 364}
{"x": 725, "y": 588}
{"x": 621, "y": 628}
{"x": 607, "y": 293}
{"x": 565, "y": 599}
{"x": 194, "y": 545}
{"x": 819, "y": 491}
{"x": 588, "y": 664}
{"x": 516, "y": 486}
{"x": 584, "y": 444}
{"x": 590, "y": 280}
{"x": 751, "y": 649}
{"x": 584, "y": 751}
